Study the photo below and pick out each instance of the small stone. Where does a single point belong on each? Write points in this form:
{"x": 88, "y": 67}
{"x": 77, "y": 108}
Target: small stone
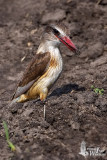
{"x": 74, "y": 125}
{"x": 28, "y": 112}
{"x": 29, "y": 44}
{"x": 33, "y": 31}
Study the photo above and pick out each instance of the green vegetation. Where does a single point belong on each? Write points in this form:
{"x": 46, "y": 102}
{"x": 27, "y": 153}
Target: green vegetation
{"x": 97, "y": 90}
{"x": 7, "y": 137}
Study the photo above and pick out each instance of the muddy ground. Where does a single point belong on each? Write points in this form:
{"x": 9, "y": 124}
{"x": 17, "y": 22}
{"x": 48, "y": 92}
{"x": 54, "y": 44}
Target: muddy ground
{"x": 75, "y": 113}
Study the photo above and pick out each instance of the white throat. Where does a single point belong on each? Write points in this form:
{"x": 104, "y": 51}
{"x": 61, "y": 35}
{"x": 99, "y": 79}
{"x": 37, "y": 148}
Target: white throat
{"x": 48, "y": 46}
{"x": 53, "y": 48}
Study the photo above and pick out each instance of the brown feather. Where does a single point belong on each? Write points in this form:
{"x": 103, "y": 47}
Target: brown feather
{"x": 36, "y": 68}
{"x": 53, "y": 62}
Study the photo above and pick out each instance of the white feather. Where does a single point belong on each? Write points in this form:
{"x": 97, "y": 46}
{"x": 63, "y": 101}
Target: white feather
{"x": 53, "y": 72}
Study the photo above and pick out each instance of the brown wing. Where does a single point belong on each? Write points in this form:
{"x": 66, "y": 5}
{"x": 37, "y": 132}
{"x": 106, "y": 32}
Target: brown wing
{"x": 35, "y": 69}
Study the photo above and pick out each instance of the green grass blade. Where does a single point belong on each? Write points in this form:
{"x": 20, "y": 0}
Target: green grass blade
{"x": 11, "y": 145}
{"x": 7, "y": 137}
{"x": 6, "y": 130}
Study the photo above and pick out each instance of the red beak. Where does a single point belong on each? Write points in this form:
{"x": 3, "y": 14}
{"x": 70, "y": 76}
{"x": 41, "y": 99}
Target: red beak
{"x": 67, "y": 41}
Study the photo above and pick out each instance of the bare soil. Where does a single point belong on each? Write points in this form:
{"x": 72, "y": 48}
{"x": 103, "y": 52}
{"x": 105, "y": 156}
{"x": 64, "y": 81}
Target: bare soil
{"x": 74, "y": 111}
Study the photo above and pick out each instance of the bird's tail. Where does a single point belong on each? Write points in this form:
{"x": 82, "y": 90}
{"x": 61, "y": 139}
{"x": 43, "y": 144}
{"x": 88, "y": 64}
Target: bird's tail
{"x": 14, "y": 101}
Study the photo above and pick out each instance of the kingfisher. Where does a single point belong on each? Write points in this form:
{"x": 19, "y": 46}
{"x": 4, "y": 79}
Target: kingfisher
{"x": 45, "y": 67}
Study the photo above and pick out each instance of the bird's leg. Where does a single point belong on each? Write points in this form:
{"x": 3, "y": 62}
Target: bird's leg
{"x": 43, "y": 99}
{"x": 44, "y": 111}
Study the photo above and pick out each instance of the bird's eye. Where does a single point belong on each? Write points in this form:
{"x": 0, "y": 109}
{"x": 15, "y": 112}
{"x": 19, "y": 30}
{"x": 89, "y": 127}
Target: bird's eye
{"x": 56, "y": 31}
{"x": 70, "y": 37}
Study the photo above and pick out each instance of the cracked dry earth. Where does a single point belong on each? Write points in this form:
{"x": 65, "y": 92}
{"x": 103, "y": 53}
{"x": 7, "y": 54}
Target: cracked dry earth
{"x": 75, "y": 113}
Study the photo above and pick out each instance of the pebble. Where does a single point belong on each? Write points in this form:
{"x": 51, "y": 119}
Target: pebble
{"x": 74, "y": 125}
{"x": 28, "y": 112}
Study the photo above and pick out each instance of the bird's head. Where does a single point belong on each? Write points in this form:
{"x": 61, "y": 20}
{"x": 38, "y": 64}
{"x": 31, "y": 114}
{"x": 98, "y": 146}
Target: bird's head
{"x": 55, "y": 34}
